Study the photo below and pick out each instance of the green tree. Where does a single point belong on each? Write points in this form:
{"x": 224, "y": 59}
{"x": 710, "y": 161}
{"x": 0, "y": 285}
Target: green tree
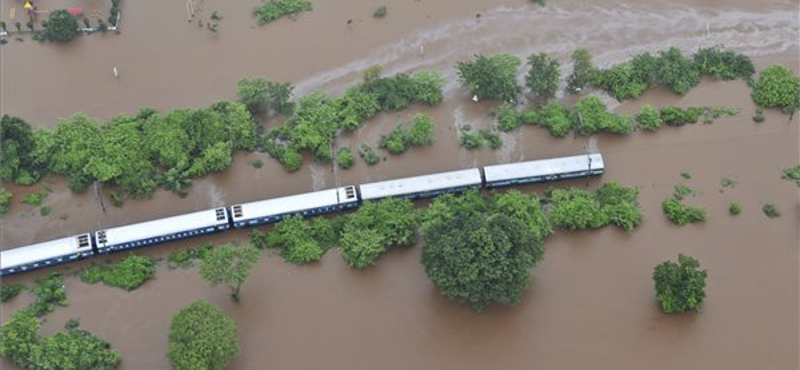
{"x": 17, "y": 145}
{"x": 376, "y": 227}
{"x": 649, "y": 119}
{"x": 680, "y": 287}
{"x": 575, "y": 209}
{"x": 215, "y": 158}
{"x": 230, "y": 266}
{"x": 723, "y": 64}
{"x": 777, "y": 87}
{"x": 421, "y": 131}
{"x": 261, "y": 95}
{"x": 74, "y": 349}
{"x": 61, "y": 26}
{"x": 555, "y": 117}
{"x": 592, "y": 116}
{"x": 18, "y": 337}
{"x": 681, "y": 214}
{"x": 543, "y": 75}
{"x": 427, "y": 87}
{"x": 70, "y": 148}
{"x": 480, "y": 258}
{"x": 202, "y": 337}
{"x": 677, "y": 71}
{"x": 526, "y": 208}
{"x": 583, "y": 71}
{"x": 345, "y": 158}
{"x": 10, "y": 291}
{"x": 297, "y": 240}
{"x": 361, "y": 247}
{"x": 491, "y": 77}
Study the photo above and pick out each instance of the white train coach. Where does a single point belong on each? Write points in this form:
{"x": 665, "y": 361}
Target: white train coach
{"x": 45, "y": 254}
{"x": 423, "y": 186}
{"x": 543, "y": 170}
{"x": 308, "y": 204}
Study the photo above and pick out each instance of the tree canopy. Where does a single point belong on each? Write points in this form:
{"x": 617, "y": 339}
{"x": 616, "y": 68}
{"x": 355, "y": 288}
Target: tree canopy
{"x": 543, "y": 75}
{"x": 777, "y": 87}
{"x": 229, "y": 265}
{"x": 491, "y": 77}
{"x": 202, "y": 337}
{"x": 680, "y": 287}
{"x": 61, "y": 26}
{"x": 481, "y": 250}
{"x": 376, "y": 227}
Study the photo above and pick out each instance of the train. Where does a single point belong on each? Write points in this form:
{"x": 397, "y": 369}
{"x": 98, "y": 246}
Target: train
{"x": 100, "y": 242}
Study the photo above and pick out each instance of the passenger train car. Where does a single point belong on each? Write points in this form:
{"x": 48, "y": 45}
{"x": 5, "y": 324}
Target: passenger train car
{"x": 309, "y": 204}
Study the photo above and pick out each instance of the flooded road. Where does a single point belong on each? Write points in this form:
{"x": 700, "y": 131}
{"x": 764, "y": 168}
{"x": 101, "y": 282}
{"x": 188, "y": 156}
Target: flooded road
{"x": 591, "y": 302}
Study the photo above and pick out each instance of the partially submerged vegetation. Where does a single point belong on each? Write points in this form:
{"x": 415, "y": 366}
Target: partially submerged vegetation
{"x": 201, "y": 336}
{"x": 777, "y": 87}
{"x": 129, "y": 273}
{"x": 577, "y": 209}
{"x": 272, "y": 10}
{"x": 5, "y": 200}
{"x": 679, "y": 213}
{"x": 10, "y": 291}
{"x": 771, "y": 210}
{"x": 791, "y": 174}
{"x": 680, "y": 287}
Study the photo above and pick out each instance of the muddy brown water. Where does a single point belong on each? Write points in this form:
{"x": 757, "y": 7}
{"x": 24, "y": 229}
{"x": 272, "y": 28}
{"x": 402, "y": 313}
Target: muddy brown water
{"x": 590, "y": 304}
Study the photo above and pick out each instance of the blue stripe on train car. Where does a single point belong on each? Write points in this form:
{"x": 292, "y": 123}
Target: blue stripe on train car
{"x": 164, "y": 238}
{"x": 44, "y": 263}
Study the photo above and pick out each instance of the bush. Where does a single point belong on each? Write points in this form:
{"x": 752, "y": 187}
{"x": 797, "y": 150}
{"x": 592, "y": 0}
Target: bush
{"x": 543, "y": 75}
{"x": 791, "y": 173}
{"x": 257, "y": 163}
{"x": 508, "y": 118}
{"x": 37, "y": 198}
{"x": 297, "y": 240}
{"x": 380, "y": 12}
{"x": 427, "y": 87}
{"x": 681, "y": 214}
{"x": 575, "y": 209}
{"x": 680, "y": 287}
{"x": 273, "y": 10}
{"x": 677, "y": 71}
{"x": 491, "y": 77}
{"x": 759, "y": 116}
{"x": 620, "y": 205}
{"x": 674, "y": 116}
{"x": 682, "y": 191}
{"x": 376, "y": 227}
{"x": 735, "y": 208}
{"x": 61, "y": 26}
{"x": 368, "y": 154}
{"x": 421, "y": 131}
{"x": 5, "y": 200}
{"x": 49, "y": 292}
{"x": 129, "y": 273}
{"x": 591, "y": 116}
{"x": 649, "y": 119}
{"x": 491, "y": 138}
{"x": 345, "y": 158}
{"x": 723, "y": 64}
{"x": 471, "y": 140}
{"x": 44, "y": 211}
{"x": 771, "y": 210}
{"x": 777, "y": 87}
{"x": 9, "y": 291}
{"x": 555, "y": 117}
{"x": 395, "y": 141}
{"x": 621, "y": 81}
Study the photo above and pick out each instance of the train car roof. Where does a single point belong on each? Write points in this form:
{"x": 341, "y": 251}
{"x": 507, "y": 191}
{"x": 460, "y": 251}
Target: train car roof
{"x": 41, "y": 251}
{"x": 295, "y": 203}
{"x": 542, "y": 167}
{"x": 163, "y": 226}
{"x": 418, "y": 184}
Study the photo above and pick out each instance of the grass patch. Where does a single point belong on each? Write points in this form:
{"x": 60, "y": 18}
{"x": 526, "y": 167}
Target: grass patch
{"x": 128, "y": 274}
{"x": 735, "y": 208}
{"x": 771, "y": 210}
{"x": 10, "y": 291}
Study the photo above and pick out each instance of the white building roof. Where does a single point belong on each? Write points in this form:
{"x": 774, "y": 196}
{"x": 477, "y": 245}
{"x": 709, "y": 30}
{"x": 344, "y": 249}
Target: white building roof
{"x": 295, "y": 203}
{"x": 40, "y": 252}
{"x": 419, "y": 184}
{"x": 161, "y": 227}
{"x": 543, "y": 167}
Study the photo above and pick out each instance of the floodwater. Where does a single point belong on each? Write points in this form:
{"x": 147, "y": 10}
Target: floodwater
{"x": 590, "y": 304}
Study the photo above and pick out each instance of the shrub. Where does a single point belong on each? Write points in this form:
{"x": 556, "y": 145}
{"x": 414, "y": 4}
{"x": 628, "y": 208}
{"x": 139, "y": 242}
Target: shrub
{"x": 376, "y": 227}
{"x": 44, "y": 211}
{"x": 272, "y": 10}
{"x": 735, "y": 208}
{"x": 759, "y": 116}
{"x": 792, "y": 174}
{"x": 471, "y": 140}
{"x": 491, "y": 138}
{"x": 680, "y": 287}
{"x": 9, "y": 291}
{"x": 649, "y": 119}
{"x": 682, "y": 191}
{"x": 508, "y": 118}
{"x": 345, "y": 158}
{"x": 591, "y": 116}
{"x": 771, "y": 210}
{"x": 380, "y": 12}
{"x": 686, "y": 175}
{"x": 36, "y": 199}
{"x": 5, "y": 200}
{"x": 297, "y": 240}
{"x": 677, "y": 71}
{"x": 620, "y": 205}
{"x": 395, "y": 141}
{"x": 727, "y": 182}
{"x": 368, "y": 154}
{"x": 61, "y": 26}
{"x": 575, "y": 209}
{"x": 681, "y": 214}
{"x": 426, "y": 87}
{"x": 49, "y": 292}
{"x": 674, "y": 116}
{"x": 555, "y": 117}
{"x": 421, "y": 131}
{"x": 777, "y": 87}
{"x": 543, "y": 75}
{"x": 723, "y": 64}
{"x": 257, "y": 163}
{"x": 129, "y": 273}
{"x": 621, "y": 81}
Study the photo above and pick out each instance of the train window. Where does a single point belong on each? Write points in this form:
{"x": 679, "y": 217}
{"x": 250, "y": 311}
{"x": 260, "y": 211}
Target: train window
{"x": 220, "y": 213}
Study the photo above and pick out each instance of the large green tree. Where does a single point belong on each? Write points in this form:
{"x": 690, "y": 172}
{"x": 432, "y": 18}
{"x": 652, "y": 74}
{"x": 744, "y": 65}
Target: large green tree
{"x": 480, "y": 258}
{"x": 376, "y": 227}
{"x": 61, "y": 26}
{"x": 202, "y": 337}
{"x": 491, "y": 77}
{"x": 17, "y": 145}
{"x": 229, "y": 265}
{"x": 680, "y": 287}
{"x": 583, "y": 71}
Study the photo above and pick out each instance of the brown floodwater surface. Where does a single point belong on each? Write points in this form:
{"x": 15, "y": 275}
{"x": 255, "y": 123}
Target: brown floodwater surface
{"x": 590, "y": 304}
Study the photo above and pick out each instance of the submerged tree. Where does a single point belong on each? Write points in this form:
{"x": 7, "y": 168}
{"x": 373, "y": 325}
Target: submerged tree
{"x": 542, "y": 78}
{"x": 61, "y": 26}
{"x": 230, "y": 266}
{"x": 680, "y": 287}
{"x": 491, "y": 77}
{"x": 202, "y": 337}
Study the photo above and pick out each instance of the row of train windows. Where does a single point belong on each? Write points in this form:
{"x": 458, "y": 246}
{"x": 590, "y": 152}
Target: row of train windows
{"x": 164, "y": 238}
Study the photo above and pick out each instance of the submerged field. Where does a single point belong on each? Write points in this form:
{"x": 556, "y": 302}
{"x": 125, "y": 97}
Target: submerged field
{"x": 591, "y": 300}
